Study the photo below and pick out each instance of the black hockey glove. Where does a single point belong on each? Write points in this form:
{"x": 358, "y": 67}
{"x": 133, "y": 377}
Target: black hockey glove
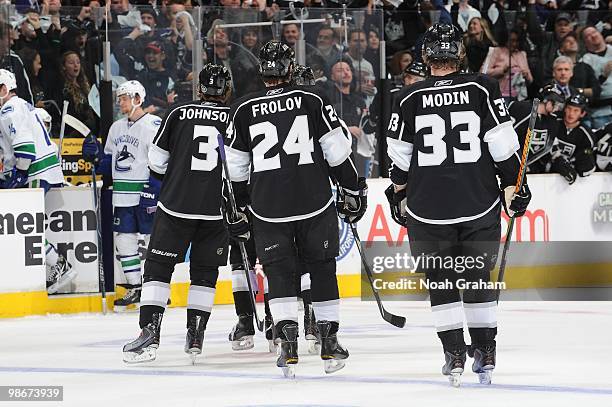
{"x": 515, "y": 204}
{"x": 351, "y": 205}
{"x": 562, "y": 166}
{"x": 238, "y": 226}
{"x": 397, "y": 204}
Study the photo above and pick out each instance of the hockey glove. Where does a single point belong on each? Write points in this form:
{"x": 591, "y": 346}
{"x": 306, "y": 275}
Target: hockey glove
{"x": 18, "y": 179}
{"x": 351, "y": 205}
{"x": 585, "y": 162}
{"x": 238, "y": 226}
{"x": 150, "y": 195}
{"x": 562, "y": 166}
{"x": 515, "y": 204}
{"x": 397, "y": 204}
{"x": 92, "y": 150}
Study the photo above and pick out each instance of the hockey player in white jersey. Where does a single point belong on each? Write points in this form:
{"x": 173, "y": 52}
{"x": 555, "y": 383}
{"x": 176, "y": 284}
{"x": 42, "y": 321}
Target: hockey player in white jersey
{"x": 125, "y": 156}
{"x": 30, "y": 159}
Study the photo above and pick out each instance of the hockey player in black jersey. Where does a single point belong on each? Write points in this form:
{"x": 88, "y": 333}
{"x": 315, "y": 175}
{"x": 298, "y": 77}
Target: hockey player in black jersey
{"x": 448, "y": 137}
{"x": 287, "y": 142}
{"x": 603, "y": 150}
{"x": 185, "y": 155}
{"x": 545, "y": 129}
{"x": 572, "y": 151}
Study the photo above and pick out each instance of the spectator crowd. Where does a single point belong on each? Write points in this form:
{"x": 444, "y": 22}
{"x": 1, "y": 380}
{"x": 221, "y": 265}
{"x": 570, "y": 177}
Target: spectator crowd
{"x": 55, "y": 51}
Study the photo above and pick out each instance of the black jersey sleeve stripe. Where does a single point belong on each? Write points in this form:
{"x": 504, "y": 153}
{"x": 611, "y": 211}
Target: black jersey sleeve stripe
{"x": 502, "y": 141}
{"x": 158, "y": 159}
{"x": 336, "y": 147}
{"x": 523, "y": 120}
{"x": 239, "y": 163}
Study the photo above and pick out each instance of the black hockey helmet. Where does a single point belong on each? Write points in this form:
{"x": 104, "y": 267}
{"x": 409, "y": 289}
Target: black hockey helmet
{"x": 442, "y": 42}
{"x": 416, "y": 68}
{"x": 303, "y": 75}
{"x": 578, "y": 100}
{"x": 552, "y": 93}
{"x": 214, "y": 80}
{"x": 276, "y": 60}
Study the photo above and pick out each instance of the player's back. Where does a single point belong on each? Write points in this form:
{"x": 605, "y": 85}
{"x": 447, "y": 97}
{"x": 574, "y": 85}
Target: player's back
{"x": 280, "y": 129}
{"x": 449, "y": 120}
{"x": 192, "y": 182}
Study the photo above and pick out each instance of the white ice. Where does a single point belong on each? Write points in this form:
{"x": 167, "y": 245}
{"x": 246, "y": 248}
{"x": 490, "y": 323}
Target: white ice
{"x": 549, "y": 354}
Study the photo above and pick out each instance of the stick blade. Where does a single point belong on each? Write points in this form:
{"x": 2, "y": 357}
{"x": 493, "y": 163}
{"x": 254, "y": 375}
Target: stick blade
{"x": 395, "y": 320}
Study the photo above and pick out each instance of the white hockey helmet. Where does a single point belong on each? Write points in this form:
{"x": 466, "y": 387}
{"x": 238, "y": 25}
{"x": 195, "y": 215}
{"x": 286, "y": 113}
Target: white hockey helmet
{"x": 131, "y": 88}
{"x": 44, "y": 116}
{"x": 8, "y": 78}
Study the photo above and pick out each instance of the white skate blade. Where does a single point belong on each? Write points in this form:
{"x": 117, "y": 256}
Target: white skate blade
{"x": 246, "y": 342}
{"x": 333, "y": 365}
{"x": 485, "y": 377}
{"x": 62, "y": 282}
{"x": 314, "y": 348}
{"x": 272, "y": 347}
{"x": 148, "y": 354}
{"x": 193, "y": 355}
{"x": 126, "y": 308}
{"x": 289, "y": 371}
{"x": 455, "y": 379}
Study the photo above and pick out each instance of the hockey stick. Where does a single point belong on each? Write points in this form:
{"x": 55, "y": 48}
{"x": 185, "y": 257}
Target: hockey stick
{"x": 243, "y": 252}
{"x": 62, "y": 130}
{"x": 517, "y": 188}
{"x": 86, "y": 132}
{"x": 393, "y": 319}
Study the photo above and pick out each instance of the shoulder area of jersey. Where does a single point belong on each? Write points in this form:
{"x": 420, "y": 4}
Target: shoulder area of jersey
{"x": 12, "y": 104}
{"x": 154, "y": 120}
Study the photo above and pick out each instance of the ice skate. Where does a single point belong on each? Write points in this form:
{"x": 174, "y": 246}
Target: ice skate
{"x": 484, "y": 362}
{"x": 60, "y": 275}
{"x": 311, "y": 333}
{"x": 242, "y": 333}
{"x": 144, "y": 348}
{"x": 131, "y": 296}
{"x": 454, "y": 366}
{"x": 288, "y": 355}
{"x": 195, "y": 337}
{"x": 270, "y": 334}
{"x": 332, "y": 353}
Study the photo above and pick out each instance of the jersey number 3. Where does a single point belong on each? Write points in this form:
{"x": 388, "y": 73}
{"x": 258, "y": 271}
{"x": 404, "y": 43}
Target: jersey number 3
{"x": 205, "y": 156}
{"x": 435, "y": 138}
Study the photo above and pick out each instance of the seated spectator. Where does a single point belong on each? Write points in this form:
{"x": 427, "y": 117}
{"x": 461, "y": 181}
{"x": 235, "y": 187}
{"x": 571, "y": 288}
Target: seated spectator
{"x": 10, "y": 60}
{"x": 599, "y": 57}
{"x": 32, "y": 64}
{"x": 399, "y": 62}
{"x": 247, "y": 56}
{"x": 74, "y": 88}
{"x": 156, "y": 80}
{"x": 76, "y": 39}
{"x": 130, "y": 50}
{"x": 583, "y": 77}
{"x": 363, "y": 70}
{"x": 508, "y": 64}
{"x": 372, "y": 53}
{"x": 563, "y": 71}
{"x": 182, "y": 26}
{"x": 462, "y": 13}
{"x": 477, "y": 40}
{"x": 291, "y": 34}
{"x": 327, "y": 47}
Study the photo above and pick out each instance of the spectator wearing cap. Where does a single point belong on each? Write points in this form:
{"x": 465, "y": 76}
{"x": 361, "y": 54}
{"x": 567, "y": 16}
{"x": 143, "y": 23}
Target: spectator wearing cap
{"x": 130, "y": 51}
{"x": 477, "y": 40}
{"x": 156, "y": 80}
{"x": 599, "y": 57}
{"x": 10, "y": 60}
{"x": 563, "y": 71}
{"x": 548, "y": 42}
{"x": 583, "y": 78}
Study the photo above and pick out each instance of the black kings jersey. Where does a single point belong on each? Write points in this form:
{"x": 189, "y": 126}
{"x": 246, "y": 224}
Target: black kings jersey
{"x": 544, "y": 132}
{"x": 281, "y": 140}
{"x": 603, "y": 138}
{"x": 444, "y": 137}
{"x": 575, "y": 145}
{"x": 186, "y": 150}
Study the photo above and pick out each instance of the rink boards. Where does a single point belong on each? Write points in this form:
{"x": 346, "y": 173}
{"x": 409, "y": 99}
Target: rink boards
{"x": 579, "y": 215}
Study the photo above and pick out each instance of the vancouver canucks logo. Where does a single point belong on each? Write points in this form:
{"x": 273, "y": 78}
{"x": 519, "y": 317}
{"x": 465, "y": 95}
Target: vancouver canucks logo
{"x": 124, "y": 160}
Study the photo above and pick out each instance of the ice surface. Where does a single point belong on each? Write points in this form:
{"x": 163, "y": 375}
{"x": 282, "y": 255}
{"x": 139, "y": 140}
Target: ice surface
{"x": 549, "y": 354}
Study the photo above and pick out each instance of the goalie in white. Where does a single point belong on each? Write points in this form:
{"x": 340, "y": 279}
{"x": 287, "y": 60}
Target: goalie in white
{"x": 125, "y": 156}
{"x": 30, "y": 159}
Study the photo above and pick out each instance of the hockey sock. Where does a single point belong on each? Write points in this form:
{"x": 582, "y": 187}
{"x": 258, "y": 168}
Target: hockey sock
{"x": 483, "y": 336}
{"x": 200, "y": 301}
{"x": 240, "y": 288}
{"x": 324, "y": 290}
{"x": 282, "y": 290}
{"x": 127, "y": 248}
{"x": 153, "y": 299}
{"x": 448, "y": 316}
{"x": 481, "y": 315}
{"x": 305, "y": 289}
{"x": 452, "y": 340}
{"x": 50, "y": 254}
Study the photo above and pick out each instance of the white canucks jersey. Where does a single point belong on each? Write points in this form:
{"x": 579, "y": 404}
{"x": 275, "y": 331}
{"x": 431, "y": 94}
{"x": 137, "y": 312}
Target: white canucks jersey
{"x": 23, "y": 135}
{"x": 128, "y": 143}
